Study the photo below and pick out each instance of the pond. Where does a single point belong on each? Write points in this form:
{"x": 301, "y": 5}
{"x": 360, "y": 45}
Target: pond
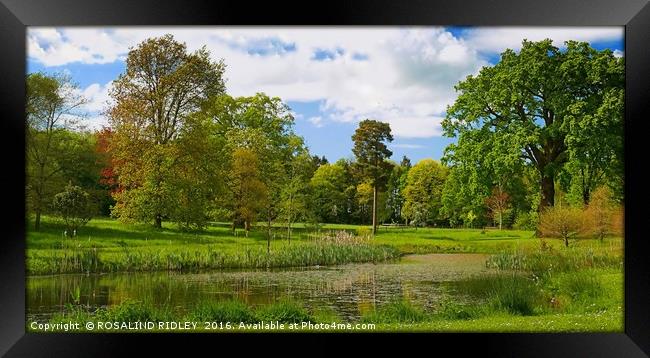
{"x": 349, "y": 290}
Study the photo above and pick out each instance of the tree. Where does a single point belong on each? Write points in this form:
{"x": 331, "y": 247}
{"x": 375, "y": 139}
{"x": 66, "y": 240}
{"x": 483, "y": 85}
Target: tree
{"x": 294, "y": 195}
{"x": 601, "y": 213}
{"x": 561, "y": 221}
{"x": 52, "y": 106}
{"x": 328, "y": 192}
{"x": 74, "y": 207}
{"x": 264, "y": 125}
{"x": 364, "y": 196}
{"x": 108, "y": 180}
{"x": 371, "y": 152}
{"x": 423, "y": 192}
{"x": 248, "y": 193}
{"x": 405, "y": 163}
{"x": 395, "y": 191}
{"x": 161, "y": 86}
{"x": 519, "y": 111}
{"x": 498, "y": 202}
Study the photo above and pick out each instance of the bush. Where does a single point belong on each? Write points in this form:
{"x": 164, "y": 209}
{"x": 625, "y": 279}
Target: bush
{"x": 562, "y": 222}
{"x": 74, "y": 207}
{"x": 601, "y": 214}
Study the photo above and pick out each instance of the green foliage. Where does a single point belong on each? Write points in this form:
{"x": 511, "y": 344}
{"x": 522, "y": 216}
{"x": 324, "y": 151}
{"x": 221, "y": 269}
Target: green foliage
{"x": 526, "y": 221}
{"x": 53, "y": 104}
{"x": 153, "y": 99}
{"x": 423, "y": 192}
{"x": 528, "y": 110}
{"x": 372, "y": 153}
{"x": 328, "y": 186}
{"x": 74, "y": 207}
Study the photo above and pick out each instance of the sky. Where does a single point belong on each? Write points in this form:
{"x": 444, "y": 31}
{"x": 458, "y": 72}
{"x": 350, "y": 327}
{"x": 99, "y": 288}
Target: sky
{"x": 331, "y": 77}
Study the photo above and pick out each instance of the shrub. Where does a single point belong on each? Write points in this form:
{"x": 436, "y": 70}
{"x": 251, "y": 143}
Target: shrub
{"x": 600, "y": 213}
{"x": 74, "y": 207}
{"x": 562, "y": 222}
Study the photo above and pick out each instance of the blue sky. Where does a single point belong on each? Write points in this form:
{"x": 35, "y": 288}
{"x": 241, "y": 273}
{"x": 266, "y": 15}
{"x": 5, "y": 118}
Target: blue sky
{"x": 330, "y": 77}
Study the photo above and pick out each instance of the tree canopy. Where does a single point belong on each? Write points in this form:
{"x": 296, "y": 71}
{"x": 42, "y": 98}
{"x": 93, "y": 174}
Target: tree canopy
{"x": 526, "y": 111}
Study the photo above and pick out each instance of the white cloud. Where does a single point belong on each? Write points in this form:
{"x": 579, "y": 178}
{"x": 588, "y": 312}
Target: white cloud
{"x": 407, "y": 146}
{"x": 97, "y": 96}
{"x": 497, "y": 39}
{"x": 619, "y": 53}
{"x": 317, "y": 121}
{"x": 406, "y": 77}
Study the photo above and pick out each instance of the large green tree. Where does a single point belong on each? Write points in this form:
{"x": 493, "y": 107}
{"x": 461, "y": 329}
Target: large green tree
{"x": 53, "y": 105}
{"x": 525, "y": 110}
{"x": 161, "y": 86}
{"x": 328, "y": 193}
{"x": 372, "y": 153}
{"x": 295, "y": 190}
{"x": 423, "y": 192}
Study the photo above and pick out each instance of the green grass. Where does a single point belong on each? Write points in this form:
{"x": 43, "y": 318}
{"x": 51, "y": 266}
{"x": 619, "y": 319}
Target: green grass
{"x": 396, "y": 312}
{"x": 106, "y": 245}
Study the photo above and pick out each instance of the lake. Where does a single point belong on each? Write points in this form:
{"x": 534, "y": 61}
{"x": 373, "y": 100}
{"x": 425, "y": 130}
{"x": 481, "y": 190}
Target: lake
{"x": 349, "y": 290}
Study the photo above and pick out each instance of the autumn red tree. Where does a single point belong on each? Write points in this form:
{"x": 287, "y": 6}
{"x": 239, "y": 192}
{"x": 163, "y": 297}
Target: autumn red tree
{"x": 108, "y": 178}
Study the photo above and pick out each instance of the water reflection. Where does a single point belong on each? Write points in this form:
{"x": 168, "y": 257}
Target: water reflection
{"x": 348, "y": 290}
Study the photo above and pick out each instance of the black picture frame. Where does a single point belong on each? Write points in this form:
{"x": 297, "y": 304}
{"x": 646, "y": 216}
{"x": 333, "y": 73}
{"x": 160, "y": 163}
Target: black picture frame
{"x": 15, "y": 15}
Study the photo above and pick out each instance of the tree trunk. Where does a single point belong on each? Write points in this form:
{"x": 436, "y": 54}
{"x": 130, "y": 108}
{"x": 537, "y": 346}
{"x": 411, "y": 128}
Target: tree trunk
{"x": 585, "y": 196}
{"x": 289, "y": 232}
{"x": 566, "y": 241}
{"x": 268, "y": 236}
{"x": 374, "y": 210}
{"x": 37, "y": 221}
{"x": 500, "y": 220}
{"x": 548, "y": 193}
{"x": 158, "y": 221}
